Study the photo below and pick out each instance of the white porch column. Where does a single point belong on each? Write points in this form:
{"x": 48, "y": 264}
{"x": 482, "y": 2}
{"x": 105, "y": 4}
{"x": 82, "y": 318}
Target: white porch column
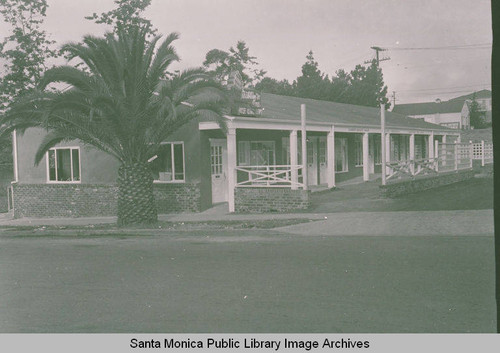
{"x": 304, "y": 144}
{"x": 231, "y": 166}
{"x": 293, "y": 159}
{"x": 431, "y": 145}
{"x": 387, "y": 152}
{"x": 366, "y": 166}
{"x": 330, "y": 148}
{"x": 412, "y": 153}
{"x": 444, "y": 139}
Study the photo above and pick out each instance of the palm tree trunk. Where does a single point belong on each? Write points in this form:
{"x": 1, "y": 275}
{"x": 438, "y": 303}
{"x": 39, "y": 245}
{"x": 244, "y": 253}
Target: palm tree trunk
{"x": 136, "y": 203}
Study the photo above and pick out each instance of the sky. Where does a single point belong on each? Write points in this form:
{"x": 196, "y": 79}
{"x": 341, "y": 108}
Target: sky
{"x": 340, "y": 33}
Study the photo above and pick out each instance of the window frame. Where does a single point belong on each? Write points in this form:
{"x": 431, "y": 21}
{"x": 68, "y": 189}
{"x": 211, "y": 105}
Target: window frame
{"x": 358, "y": 150}
{"x": 377, "y": 150}
{"x": 343, "y": 141}
{"x": 172, "y": 156}
{"x": 70, "y": 148}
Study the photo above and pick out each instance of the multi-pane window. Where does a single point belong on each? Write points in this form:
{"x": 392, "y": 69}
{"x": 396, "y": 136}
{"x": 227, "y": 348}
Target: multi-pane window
{"x": 341, "y": 155}
{"x": 256, "y": 153}
{"x": 63, "y": 164}
{"x": 168, "y": 166}
{"x": 358, "y": 145}
{"x": 262, "y": 153}
{"x": 420, "y": 147}
{"x": 322, "y": 151}
{"x": 400, "y": 148}
{"x": 216, "y": 159}
{"x": 285, "y": 150}
{"x": 244, "y": 153}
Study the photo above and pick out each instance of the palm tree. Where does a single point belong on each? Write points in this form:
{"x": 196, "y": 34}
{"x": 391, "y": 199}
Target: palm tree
{"x": 121, "y": 100}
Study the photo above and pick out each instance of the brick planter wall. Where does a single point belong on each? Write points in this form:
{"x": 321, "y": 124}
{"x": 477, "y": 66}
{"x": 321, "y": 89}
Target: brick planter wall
{"x": 260, "y": 200}
{"x": 397, "y": 188}
{"x": 84, "y": 200}
{"x": 172, "y": 198}
{"x": 64, "y": 200}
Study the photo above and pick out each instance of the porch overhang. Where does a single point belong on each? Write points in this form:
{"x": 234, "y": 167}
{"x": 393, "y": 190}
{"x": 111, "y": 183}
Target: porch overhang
{"x": 291, "y": 125}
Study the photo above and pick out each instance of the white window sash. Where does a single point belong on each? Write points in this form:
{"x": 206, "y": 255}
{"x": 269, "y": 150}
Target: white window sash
{"x": 172, "y": 161}
{"x": 56, "y": 181}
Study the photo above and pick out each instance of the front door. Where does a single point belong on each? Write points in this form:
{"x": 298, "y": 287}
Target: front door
{"x": 218, "y": 162}
{"x": 312, "y": 161}
{"x": 322, "y": 159}
{"x": 371, "y": 154}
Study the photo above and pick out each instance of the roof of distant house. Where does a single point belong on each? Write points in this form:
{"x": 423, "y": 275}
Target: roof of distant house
{"x": 429, "y": 108}
{"x": 453, "y": 105}
{"x": 479, "y": 94}
{"x": 288, "y": 108}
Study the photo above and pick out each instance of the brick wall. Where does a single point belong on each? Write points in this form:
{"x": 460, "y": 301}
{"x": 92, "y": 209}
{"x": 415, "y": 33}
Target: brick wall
{"x": 172, "y": 198}
{"x": 64, "y": 200}
{"x": 84, "y": 200}
{"x": 397, "y": 188}
{"x": 260, "y": 200}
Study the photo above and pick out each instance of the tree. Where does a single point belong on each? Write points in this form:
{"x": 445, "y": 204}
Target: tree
{"x": 271, "y": 85}
{"x": 120, "y": 105}
{"x": 221, "y": 63}
{"x": 312, "y": 83}
{"x": 367, "y": 86}
{"x": 26, "y": 50}
{"x": 477, "y": 116}
{"x": 126, "y": 15}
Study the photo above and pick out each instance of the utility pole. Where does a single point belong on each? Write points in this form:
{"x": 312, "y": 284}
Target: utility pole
{"x": 377, "y": 50}
{"x": 393, "y": 99}
{"x": 382, "y": 116}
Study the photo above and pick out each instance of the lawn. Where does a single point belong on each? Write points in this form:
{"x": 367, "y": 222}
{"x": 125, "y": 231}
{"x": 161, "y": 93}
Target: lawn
{"x": 246, "y": 281}
{"x": 473, "y": 194}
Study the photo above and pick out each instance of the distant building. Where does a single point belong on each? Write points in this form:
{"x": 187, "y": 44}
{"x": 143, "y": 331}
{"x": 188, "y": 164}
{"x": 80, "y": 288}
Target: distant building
{"x": 453, "y": 113}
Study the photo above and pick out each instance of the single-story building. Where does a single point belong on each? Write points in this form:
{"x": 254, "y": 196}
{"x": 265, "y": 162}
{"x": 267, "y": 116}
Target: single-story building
{"x": 256, "y": 166}
{"x": 453, "y": 113}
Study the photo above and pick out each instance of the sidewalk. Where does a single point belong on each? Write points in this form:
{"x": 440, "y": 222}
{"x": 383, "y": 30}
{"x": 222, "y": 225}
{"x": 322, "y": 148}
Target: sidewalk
{"x": 399, "y": 223}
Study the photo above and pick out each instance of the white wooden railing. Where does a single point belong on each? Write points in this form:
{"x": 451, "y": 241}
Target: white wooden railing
{"x": 411, "y": 168}
{"x": 447, "y": 157}
{"x": 272, "y": 176}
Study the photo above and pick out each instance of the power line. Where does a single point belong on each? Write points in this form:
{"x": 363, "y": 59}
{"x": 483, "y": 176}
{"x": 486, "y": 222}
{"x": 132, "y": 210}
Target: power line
{"x": 450, "y": 47}
{"x": 441, "y": 93}
{"x": 444, "y": 88}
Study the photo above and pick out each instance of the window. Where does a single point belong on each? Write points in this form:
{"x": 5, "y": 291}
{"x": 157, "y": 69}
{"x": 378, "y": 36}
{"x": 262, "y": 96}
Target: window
{"x": 168, "y": 166}
{"x": 285, "y": 150}
{"x": 358, "y": 140}
{"x": 400, "y": 148}
{"x": 63, "y": 165}
{"x": 243, "y": 152}
{"x": 256, "y": 153}
{"x": 341, "y": 155}
{"x": 322, "y": 151}
{"x": 420, "y": 147}
{"x": 377, "y": 150}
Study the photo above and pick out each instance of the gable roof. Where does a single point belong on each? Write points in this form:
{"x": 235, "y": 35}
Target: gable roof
{"x": 479, "y": 94}
{"x": 288, "y": 108}
{"x": 453, "y": 105}
{"x": 429, "y": 108}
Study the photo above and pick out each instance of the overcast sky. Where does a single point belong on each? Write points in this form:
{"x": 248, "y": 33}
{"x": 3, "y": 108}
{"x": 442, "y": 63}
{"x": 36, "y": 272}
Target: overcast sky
{"x": 281, "y": 32}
